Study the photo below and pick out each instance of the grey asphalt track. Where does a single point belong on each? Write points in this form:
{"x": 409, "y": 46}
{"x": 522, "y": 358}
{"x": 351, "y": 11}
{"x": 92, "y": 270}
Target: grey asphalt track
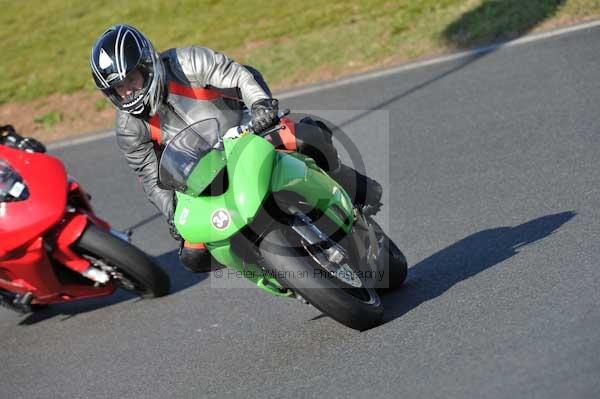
{"x": 491, "y": 165}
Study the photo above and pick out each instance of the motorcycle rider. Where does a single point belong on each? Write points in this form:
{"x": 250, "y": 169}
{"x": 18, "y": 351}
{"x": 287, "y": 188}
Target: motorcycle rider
{"x": 158, "y": 94}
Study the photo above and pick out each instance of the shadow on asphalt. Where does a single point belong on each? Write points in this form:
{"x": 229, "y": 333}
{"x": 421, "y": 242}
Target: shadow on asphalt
{"x": 433, "y": 276}
{"x": 492, "y": 23}
{"x": 382, "y": 105}
{"x": 495, "y": 21}
{"x": 150, "y": 219}
{"x": 180, "y": 280}
{"x": 426, "y": 280}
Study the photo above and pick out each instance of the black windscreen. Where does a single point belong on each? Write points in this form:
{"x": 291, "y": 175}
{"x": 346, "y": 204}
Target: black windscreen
{"x": 184, "y": 151}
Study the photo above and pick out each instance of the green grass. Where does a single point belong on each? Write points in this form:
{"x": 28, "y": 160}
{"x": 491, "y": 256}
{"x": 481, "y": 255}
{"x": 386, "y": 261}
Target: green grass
{"x": 101, "y": 104}
{"x": 45, "y": 44}
{"x": 49, "y": 119}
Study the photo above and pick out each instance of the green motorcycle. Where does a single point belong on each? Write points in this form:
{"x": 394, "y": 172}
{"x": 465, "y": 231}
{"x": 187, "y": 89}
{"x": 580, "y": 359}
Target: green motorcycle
{"x": 279, "y": 220}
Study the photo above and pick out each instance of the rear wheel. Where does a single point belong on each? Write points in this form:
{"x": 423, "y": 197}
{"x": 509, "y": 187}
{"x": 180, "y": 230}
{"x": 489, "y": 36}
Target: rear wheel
{"x": 129, "y": 267}
{"x": 346, "y": 300}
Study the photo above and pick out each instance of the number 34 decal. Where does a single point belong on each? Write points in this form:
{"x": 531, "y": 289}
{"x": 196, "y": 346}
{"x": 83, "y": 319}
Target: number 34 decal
{"x": 220, "y": 219}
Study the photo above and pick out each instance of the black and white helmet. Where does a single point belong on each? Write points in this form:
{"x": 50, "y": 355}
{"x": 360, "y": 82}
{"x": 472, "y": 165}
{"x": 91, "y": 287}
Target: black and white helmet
{"x": 120, "y": 51}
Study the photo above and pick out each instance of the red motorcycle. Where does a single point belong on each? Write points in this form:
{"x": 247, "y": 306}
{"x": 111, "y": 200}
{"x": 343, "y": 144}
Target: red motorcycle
{"x": 53, "y": 247}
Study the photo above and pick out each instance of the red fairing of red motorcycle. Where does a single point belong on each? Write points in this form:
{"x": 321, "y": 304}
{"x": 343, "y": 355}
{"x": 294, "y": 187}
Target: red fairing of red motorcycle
{"x": 23, "y": 221}
{"x": 26, "y": 225}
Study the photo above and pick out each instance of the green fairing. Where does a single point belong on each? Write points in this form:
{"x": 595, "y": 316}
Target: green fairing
{"x": 298, "y": 173}
{"x": 204, "y": 173}
{"x": 254, "y": 170}
{"x": 249, "y": 168}
{"x": 222, "y": 253}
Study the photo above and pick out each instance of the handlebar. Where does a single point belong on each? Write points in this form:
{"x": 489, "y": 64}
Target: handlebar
{"x": 10, "y": 138}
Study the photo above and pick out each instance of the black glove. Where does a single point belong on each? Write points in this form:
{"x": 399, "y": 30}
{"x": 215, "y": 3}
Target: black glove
{"x": 264, "y": 114}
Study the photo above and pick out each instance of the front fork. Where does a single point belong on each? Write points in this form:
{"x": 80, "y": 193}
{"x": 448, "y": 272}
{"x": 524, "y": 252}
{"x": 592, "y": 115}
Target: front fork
{"x": 79, "y": 214}
{"x": 361, "y": 234}
{"x": 69, "y": 231}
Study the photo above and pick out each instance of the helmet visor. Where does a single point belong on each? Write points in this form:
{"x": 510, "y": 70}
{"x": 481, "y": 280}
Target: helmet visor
{"x": 129, "y": 93}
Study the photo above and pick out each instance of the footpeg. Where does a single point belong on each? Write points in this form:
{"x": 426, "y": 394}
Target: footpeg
{"x": 371, "y": 209}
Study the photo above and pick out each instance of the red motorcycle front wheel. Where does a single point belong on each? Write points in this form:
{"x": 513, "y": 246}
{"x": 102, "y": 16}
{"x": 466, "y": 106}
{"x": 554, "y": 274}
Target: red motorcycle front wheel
{"x": 129, "y": 267}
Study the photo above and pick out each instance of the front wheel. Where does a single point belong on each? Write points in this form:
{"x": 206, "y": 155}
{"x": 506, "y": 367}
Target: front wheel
{"x": 357, "y": 307}
{"x": 129, "y": 267}
{"x": 392, "y": 264}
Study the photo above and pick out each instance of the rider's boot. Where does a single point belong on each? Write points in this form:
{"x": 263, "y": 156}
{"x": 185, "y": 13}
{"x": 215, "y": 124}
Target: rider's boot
{"x": 363, "y": 190}
{"x": 195, "y": 258}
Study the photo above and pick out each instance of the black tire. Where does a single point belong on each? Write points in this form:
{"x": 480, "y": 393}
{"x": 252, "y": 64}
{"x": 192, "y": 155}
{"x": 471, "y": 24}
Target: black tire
{"x": 148, "y": 278}
{"x": 394, "y": 264}
{"x": 300, "y": 273}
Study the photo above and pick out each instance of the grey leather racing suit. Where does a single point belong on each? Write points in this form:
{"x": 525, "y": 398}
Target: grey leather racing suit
{"x": 201, "y": 84}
